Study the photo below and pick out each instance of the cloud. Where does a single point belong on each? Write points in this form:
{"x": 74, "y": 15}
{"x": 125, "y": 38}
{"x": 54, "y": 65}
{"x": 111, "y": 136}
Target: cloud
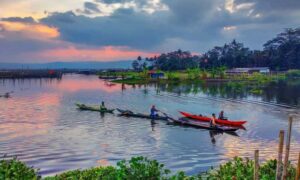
{"x": 35, "y": 31}
{"x": 89, "y": 8}
{"x": 125, "y": 27}
{"x": 107, "y": 53}
{"x": 19, "y": 19}
{"x": 143, "y": 26}
{"x": 229, "y": 28}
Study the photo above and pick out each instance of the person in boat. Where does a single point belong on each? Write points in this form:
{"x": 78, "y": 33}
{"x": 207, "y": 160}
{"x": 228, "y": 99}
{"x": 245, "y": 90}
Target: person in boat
{"x": 221, "y": 115}
{"x": 102, "y": 106}
{"x": 213, "y": 120}
{"x": 153, "y": 112}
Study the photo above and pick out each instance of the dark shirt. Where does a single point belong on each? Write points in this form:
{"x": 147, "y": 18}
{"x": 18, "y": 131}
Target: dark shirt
{"x": 221, "y": 116}
{"x": 153, "y": 111}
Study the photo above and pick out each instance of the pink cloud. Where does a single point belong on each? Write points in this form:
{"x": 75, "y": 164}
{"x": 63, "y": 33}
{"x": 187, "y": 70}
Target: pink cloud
{"x": 107, "y": 53}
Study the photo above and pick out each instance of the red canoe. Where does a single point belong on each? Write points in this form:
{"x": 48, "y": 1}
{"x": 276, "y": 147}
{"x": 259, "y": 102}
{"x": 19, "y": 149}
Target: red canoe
{"x": 218, "y": 121}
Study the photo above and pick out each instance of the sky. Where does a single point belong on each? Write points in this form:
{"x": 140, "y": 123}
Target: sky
{"x": 37, "y": 31}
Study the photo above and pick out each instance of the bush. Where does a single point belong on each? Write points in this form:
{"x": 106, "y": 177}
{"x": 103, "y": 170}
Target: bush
{"x": 244, "y": 169}
{"x": 138, "y": 168}
{"x": 15, "y": 169}
{"x": 105, "y": 173}
{"x": 141, "y": 168}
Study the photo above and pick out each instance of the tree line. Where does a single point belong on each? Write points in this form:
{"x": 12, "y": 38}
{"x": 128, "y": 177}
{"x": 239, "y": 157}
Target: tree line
{"x": 279, "y": 53}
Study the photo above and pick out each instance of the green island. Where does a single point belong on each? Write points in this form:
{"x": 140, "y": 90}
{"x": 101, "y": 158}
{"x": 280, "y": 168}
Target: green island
{"x": 253, "y": 82}
{"x": 232, "y": 63}
{"x": 144, "y": 168}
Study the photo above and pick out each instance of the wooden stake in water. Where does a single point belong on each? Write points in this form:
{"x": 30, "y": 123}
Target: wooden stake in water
{"x": 256, "y": 165}
{"x": 287, "y": 149}
{"x": 279, "y": 159}
{"x": 298, "y": 169}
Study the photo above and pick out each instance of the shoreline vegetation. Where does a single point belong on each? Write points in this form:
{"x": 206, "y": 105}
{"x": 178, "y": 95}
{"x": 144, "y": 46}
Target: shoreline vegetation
{"x": 279, "y": 56}
{"x": 29, "y": 73}
{"x": 255, "y": 82}
{"x": 144, "y": 168}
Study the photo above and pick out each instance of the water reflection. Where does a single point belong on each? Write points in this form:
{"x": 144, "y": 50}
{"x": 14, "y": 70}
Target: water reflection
{"x": 41, "y": 125}
{"x": 283, "y": 92}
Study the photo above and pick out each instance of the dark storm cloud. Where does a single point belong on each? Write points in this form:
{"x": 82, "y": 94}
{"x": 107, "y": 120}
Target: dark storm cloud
{"x": 111, "y": 1}
{"x": 190, "y": 11}
{"x": 124, "y": 28}
{"x": 92, "y": 7}
{"x": 19, "y": 19}
{"x": 196, "y": 25}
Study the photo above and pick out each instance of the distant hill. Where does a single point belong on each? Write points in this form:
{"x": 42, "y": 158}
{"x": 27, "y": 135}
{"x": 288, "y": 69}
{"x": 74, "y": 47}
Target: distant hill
{"x": 68, "y": 65}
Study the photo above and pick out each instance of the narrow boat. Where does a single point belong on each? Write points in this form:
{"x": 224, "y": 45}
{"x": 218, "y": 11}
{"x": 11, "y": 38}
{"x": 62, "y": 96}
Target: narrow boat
{"x": 218, "y": 121}
{"x": 128, "y": 113}
{"x": 93, "y": 108}
{"x": 203, "y": 125}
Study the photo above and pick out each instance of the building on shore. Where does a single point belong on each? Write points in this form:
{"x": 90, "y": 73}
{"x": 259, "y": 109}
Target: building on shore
{"x": 237, "y": 71}
{"x": 156, "y": 75}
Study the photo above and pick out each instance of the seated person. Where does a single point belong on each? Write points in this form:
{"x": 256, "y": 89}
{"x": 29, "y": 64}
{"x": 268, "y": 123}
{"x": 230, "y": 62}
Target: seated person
{"x": 153, "y": 111}
{"x": 221, "y": 116}
{"x": 102, "y": 106}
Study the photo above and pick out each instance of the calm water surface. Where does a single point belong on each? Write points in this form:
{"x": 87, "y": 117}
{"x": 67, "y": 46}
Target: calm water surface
{"x": 41, "y": 126}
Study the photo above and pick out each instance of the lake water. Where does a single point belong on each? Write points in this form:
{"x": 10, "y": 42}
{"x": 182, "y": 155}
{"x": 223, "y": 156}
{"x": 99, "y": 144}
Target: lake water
{"x": 41, "y": 125}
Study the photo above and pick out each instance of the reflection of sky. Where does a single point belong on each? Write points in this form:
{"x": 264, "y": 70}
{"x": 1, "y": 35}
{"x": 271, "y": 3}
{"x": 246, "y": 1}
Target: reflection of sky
{"x": 28, "y": 116}
{"x": 75, "y": 85}
{"x": 41, "y": 125}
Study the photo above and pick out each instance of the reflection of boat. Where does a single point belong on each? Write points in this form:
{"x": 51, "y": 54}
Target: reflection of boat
{"x": 203, "y": 125}
{"x": 93, "y": 108}
{"x": 218, "y": 121}
{"x": 128, "y": 113}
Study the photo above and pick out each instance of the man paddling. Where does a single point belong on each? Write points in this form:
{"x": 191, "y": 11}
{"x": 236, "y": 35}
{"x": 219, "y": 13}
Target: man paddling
{"x": 102, "y": 106}
{"x": 153, "y": 112}
{"x": 213, "y": 120}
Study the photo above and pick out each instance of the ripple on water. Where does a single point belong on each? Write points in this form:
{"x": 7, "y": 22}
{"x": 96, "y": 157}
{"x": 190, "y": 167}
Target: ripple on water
{"x": 41, "y": 126}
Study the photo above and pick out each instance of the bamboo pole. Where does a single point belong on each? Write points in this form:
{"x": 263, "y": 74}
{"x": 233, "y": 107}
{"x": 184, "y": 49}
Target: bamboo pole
{"x": 279, "y": 159}
{"x": 256, "y": 165}
{"x": 298, "y": 169}
{"x": 287, "y": 149}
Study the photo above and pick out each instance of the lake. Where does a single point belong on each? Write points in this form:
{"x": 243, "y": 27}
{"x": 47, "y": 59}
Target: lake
{"x": 41, "y": 125}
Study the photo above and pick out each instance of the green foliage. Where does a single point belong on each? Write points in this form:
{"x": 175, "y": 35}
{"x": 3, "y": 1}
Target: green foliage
{"x": 244, "y": 169}
{"x": 173, "y": 76}
{"x": 193, "y": 73}
{"x": 141, "y": 168}
{"x": 293, "y": 73}
{"x": 14, "y": 169}
{"x": 138, "y": 168}
{"x": 105, "y": 173}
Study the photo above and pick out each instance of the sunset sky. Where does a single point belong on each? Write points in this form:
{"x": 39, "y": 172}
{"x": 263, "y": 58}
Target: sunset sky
{"x": 111, "y": 30}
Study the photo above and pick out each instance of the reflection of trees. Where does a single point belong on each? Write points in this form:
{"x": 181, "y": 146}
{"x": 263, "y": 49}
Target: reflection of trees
{"x": 283, "y": 92}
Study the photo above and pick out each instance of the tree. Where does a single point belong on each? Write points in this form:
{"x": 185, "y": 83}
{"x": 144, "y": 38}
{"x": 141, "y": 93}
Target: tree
{"x": 135, "y": 65}
{"x": 284, "y": 50}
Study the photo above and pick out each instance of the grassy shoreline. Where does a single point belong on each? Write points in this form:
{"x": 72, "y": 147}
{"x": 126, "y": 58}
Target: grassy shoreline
{"x": 193, "y": 75}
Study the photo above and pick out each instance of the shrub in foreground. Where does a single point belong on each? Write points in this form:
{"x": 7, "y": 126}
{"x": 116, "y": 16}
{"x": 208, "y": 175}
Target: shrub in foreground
{"x": 140, "y": 168}
{"x": 14, "y": 169}
{"x": 244, "y": 169}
